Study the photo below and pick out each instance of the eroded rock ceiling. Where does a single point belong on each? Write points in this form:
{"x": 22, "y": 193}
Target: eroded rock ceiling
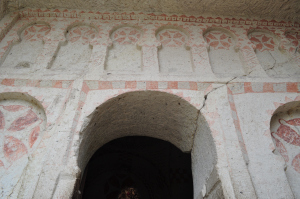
{"x": 268, "y": 9}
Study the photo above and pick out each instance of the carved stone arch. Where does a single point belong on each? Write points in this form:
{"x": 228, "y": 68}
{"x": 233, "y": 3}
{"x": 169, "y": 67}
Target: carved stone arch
{"x": 285, "y": 133}
{"x": 30, "y": 38}
{"x": 174, "y": 54}
{"x": 124, "y": 55}
{"x": 158, "y": 115}
{"x": 22, "y": 125}
{"x": 74, "y": 54}
{"x": 224, "y": 30}
{"x": 77, "y": 24}
{"x": 274, "y": 60}
{"x": 223, "y": 50}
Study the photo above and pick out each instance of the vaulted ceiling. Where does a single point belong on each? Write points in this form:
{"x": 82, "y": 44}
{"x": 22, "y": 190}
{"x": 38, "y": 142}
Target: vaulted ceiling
{"x": 268, "y": 9}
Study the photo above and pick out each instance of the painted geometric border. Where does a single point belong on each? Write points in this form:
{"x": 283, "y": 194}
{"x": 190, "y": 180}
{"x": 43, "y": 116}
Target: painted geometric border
{"x": 65, "y": 13}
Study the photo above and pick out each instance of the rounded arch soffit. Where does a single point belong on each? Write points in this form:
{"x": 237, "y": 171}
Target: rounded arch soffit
{"x": 140, "y": 113}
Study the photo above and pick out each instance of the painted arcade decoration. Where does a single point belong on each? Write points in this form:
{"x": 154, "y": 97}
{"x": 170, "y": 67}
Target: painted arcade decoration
{"x": 174, "y": 56}
{"x": 224, "y": 56}
{"x": 124, "y": 54}
{"x": 30, "y": 38}
{"x": 276, "y": 61}
{"x": 78, "y": 37}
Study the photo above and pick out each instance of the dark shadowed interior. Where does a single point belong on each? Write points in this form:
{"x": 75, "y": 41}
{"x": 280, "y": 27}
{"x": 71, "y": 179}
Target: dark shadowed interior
{"x": 156, "y": 168}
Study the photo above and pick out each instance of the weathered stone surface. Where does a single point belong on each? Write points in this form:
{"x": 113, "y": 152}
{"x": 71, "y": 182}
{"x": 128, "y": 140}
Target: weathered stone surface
{"x": 264, "y": 9}
{"x": 225, "y": 89}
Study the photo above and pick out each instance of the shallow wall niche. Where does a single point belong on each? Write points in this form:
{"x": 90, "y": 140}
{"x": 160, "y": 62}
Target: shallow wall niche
{"x": 22, "y": 123}
{"x": 158, "y": 115}
{"x": 274, "y": 60}
{"x": 224, "y": 57}
{"x": 124, "y": 54}
{"x": 285, "y": 131}
{"x": 174, "y": 56}
{"x": 23, "y": 54}
{"x": 74, "y": 54}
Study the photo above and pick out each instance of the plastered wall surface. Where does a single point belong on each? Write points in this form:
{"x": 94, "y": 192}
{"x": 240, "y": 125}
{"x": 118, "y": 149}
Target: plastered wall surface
{"x": 71, "y": 81}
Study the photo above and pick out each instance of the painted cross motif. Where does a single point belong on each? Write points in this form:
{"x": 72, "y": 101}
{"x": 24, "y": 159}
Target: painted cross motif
{"x": 83, "y": 34}
{"x": 218, "y": 40}
{"x": 35, "y": 32}
{"x": 20, "y": 128}
{"x": 125, "y": 54}
{"x": 289, "y": 132}
{"x": 126, "y": 35}
{"x": 172, "y": 38}
{"x": 263, "y": 41}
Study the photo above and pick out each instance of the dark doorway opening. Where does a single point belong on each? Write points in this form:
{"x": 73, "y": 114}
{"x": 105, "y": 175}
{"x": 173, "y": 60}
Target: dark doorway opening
{"x": 156, "y": 168}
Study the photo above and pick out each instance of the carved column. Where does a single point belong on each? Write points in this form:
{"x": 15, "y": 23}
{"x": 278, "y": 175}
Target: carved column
{"x": 200, "y": 55}
{"x": 252, "y": 65}
{"x": 51, "y": 46}
{"x": 97, "y": 59}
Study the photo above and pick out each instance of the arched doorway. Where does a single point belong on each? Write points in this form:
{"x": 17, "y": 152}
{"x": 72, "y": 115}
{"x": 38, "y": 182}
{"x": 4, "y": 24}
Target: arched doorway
{"x": 155, "y": 168}
{"x": 285, "y": 132}
{"x": 157, "y": 115}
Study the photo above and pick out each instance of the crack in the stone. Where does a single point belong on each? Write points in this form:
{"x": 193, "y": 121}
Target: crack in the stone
{"x": 248, "y": 73}
{"x": 212, "y": 189}
{"x": 206, "y": 95}
{"x": 195, "y": 129}
{"x": 21, "y": 177}
{"x": 271, "y": 68}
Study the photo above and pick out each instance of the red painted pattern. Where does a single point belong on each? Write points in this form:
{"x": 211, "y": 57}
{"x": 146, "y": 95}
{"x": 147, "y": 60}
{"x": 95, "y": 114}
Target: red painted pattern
{"x": 287, "y": 133}
{"x": 291, "y": 87}
{"x": 294, "y": 122}
{"x": 13, "y": 148}
{"x": 294, "y": 38}
{"x": 218, "y": 40}
{"x": 296, "y": 163}
{"x": 1, "y": 164}
{"x": 281, "y": 148}
{"x": 35, "y": 32}
{"x": 172, "y": 38}
{"x": 83, "y": 34}
{"x": 126, "y": 35}
{"x": 2, "y": 121}
{"x": 24, "y": 121}
{"x": 263, "y": 42}
{"x": 65, "y": 13}
{"x": 14, "y": 108}
{"x": 34, "y": 135}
